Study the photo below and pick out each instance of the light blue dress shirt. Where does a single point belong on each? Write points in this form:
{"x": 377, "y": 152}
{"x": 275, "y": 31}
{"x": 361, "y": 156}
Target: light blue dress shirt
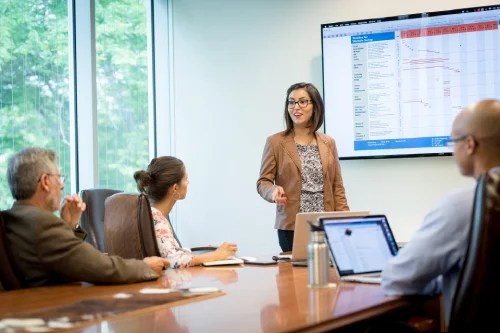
{"x": 431, "y": 261}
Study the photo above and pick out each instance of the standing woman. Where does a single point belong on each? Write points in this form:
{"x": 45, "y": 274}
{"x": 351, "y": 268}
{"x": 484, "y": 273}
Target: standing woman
{"x": 164, "y": 182}
{"x": 300, "y": 168}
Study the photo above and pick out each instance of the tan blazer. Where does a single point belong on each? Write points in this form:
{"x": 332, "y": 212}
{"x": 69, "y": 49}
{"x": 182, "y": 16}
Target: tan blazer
{"x": 47, "y": 252}
{"x": 281, "y": 166}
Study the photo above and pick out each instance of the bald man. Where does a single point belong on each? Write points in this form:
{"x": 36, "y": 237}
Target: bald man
{"x": 431, "y": 262}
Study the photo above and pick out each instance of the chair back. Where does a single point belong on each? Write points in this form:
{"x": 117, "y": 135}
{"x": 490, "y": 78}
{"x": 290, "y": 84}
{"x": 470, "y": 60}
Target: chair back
{"x": 9, "y": 276}
{"x": 92, "y": 220}
{"x": 128, "y": 225}
{"x": 478, "y": 290}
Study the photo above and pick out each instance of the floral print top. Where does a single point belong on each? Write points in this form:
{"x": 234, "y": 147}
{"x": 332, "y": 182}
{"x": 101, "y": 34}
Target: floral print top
{"x": 311, "y": 194}
{"x": 167, "y": 244}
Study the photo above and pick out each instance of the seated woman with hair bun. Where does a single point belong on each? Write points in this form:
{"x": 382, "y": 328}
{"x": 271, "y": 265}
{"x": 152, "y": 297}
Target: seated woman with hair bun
{"x": 164, "y": 182}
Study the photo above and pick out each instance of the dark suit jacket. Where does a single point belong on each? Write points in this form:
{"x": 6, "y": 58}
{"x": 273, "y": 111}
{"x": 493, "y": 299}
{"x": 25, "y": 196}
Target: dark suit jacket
{"x": 47, "y": 252}
{"x": 281, "y": 166}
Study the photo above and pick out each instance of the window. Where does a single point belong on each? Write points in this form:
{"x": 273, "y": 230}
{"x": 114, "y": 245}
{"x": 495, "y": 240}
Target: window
{"x": 122, "y": 91}
{"x": 33, "y": 82}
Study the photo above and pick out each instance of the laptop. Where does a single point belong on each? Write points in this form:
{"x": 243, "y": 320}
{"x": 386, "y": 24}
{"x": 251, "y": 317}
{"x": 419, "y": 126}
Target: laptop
{"x": 360, "y": 246}
{"x": 302, "y": 234}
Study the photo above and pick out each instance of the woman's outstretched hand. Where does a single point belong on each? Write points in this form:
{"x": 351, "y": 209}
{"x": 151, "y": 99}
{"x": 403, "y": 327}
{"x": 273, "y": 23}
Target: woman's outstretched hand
{"x": 279, "y": 196}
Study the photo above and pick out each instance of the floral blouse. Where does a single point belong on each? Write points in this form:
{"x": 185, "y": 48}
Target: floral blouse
{"x": 311, "y": 194}
{"x": 167, "y": 244}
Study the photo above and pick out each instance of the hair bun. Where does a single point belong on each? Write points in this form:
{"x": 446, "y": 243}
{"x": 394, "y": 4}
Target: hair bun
{"x": 142, "y": 179}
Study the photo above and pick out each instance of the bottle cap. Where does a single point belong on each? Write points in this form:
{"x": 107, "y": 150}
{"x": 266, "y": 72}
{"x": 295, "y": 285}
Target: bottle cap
{"x": 315, "y": 226}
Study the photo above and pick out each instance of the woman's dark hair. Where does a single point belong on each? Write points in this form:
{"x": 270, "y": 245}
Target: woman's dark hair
{"x": 161, "y": 173}
{"x": 317, "y": 102}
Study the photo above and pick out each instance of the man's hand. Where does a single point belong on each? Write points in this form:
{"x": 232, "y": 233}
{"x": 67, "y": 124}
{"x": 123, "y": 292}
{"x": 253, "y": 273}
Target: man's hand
{"x": 157, "y": 264}
{"x": 72, "y": 209}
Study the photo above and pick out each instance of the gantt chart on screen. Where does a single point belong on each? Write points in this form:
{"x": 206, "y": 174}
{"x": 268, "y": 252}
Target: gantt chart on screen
{"x": 409, "y": 79}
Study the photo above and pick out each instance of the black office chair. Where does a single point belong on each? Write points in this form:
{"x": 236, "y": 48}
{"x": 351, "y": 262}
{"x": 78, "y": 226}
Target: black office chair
{"x": 475, "y": 305}
{"x": 92, "y": 220}
{"x": 9, "y": 276}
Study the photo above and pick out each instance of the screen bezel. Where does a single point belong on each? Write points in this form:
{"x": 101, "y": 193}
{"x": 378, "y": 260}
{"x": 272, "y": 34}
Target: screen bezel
{"x": 380, "y": 154}
{"x": 377, "y": 219}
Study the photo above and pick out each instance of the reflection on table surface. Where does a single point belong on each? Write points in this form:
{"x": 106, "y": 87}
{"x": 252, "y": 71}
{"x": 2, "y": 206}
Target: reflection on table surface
{"x": 183, "y": 278}
{"x": 254, "y": 299}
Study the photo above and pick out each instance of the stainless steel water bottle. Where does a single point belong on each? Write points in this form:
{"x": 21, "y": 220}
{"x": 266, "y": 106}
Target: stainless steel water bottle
{"x": 318, "y": 259}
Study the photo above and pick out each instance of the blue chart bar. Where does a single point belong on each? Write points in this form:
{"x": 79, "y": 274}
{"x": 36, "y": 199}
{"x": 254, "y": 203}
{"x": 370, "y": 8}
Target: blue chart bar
{"x": 372, "y": 37}
{"x": 432, "y": 141}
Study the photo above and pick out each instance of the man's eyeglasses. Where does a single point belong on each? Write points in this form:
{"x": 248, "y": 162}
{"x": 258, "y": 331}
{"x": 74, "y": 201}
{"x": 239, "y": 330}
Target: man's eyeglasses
{"x": 302, "y": 103}
{"x": 62, "y": 178}
{"x": 451, "y": 141}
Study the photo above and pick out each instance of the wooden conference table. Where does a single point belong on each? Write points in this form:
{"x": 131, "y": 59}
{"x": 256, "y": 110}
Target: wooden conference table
{"x": 252, "y": 299}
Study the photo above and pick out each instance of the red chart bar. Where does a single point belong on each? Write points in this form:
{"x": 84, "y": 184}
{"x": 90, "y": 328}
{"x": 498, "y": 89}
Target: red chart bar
{"x": 450, "y": 29}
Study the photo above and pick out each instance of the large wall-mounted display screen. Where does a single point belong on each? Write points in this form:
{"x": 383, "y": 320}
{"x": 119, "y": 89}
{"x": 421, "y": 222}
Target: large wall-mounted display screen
{"x": 393, "y": 85}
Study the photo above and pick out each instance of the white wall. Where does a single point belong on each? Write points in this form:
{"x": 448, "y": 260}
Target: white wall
{"x": 233, "y": 61}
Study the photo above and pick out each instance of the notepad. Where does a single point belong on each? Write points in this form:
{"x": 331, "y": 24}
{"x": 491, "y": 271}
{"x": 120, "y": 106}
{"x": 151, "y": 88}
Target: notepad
{"x": 224, "y": 262}
{"x": 258, "y": 261}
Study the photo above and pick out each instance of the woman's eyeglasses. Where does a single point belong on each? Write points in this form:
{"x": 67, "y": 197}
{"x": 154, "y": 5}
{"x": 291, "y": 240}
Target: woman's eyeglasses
{"x": 302, "y": 103}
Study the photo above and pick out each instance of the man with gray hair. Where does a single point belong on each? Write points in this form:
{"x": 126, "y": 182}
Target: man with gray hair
{"x": 44, "y": 247}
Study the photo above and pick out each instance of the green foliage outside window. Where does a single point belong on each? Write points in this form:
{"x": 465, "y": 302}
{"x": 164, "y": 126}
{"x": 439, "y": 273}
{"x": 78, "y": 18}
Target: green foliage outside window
{"x": 34, "y": 86}
{"x": 33, "y": 81}
{"x": 122, "y": 91}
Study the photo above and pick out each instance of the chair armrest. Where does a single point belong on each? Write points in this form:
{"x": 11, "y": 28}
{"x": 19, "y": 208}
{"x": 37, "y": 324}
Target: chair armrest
{"x": 203, "y": 249}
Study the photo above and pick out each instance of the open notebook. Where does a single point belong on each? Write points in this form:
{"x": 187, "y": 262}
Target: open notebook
{"x": 247, "y": 260}
{"x": 223, "y": 262}
{"x": 360, "y": 246}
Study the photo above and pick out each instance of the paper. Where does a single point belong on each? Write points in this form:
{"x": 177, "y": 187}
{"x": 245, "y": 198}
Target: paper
{"x": 234, "y": 261}
{"x": 156, "y": 290}
{"x": 202, "y": 290}
{"x": 195, "y": 290}
{"x": 248, "y": 258}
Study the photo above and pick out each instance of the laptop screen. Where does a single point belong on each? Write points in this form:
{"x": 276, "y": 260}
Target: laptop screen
{"x": 360, "y": 245}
